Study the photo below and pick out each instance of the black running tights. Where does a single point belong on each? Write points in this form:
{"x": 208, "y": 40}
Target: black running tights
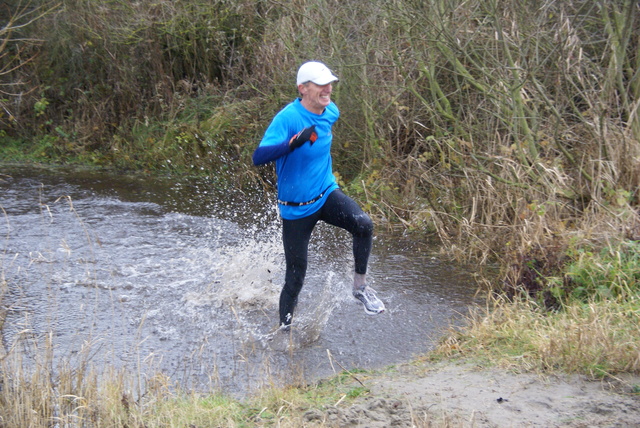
{"x": 338, "y": 210}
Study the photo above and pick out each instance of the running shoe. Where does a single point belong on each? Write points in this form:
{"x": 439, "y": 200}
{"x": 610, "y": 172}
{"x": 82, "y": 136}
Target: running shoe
{"x": 367, "y": 295}
{"x": 286, "y": 324}
{"x": 286, "y": 328}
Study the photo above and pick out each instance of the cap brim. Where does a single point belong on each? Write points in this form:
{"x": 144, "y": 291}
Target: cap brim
{"x": 325, "y": 80}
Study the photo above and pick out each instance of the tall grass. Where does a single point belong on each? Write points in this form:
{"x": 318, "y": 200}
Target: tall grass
{"x": 508, "y": 129}
{"x": 40, "y": 390}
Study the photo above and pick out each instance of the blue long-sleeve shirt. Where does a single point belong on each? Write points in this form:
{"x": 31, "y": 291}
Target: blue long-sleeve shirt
{"x": 306, "y": 172}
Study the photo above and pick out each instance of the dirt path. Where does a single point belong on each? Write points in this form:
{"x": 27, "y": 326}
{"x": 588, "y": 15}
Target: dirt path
{"x": 470, "y": 396}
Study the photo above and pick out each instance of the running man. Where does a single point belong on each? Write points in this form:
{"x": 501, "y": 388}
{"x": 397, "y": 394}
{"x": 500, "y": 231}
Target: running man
{"x": 299, "y": 141}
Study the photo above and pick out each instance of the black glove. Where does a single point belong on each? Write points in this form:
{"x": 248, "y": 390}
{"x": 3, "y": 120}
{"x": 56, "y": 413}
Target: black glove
{"x": 307, "y": 134}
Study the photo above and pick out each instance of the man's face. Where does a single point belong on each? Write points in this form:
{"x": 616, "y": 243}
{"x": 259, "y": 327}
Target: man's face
{"x": 315, "y": 98}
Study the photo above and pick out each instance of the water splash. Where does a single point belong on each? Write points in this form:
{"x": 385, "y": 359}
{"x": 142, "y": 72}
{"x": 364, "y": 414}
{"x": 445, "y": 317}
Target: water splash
{"x": 193, "y": 287}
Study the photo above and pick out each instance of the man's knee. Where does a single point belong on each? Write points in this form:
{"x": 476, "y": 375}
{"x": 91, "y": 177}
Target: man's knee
{"x": 364, "y": 225}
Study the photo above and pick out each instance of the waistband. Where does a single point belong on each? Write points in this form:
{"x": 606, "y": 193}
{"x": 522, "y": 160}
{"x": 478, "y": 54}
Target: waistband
{"x": 301, "y": 204}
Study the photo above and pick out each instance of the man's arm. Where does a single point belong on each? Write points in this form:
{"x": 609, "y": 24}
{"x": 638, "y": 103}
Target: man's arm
{"x": 266, "y": 154}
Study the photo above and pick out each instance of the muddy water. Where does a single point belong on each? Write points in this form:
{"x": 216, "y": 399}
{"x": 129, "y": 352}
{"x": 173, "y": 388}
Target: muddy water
{"x": 184, "y": 278}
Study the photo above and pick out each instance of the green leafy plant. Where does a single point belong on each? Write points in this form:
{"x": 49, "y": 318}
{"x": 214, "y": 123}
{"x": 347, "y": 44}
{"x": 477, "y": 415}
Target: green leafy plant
{"x": 611, "y": 273}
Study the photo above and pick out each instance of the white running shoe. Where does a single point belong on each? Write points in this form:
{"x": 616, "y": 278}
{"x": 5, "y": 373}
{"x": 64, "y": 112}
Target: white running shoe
{"x": 367, "y": 295}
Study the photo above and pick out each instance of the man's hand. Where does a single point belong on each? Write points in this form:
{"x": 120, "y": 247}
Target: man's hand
{"x": 307, "y": 134}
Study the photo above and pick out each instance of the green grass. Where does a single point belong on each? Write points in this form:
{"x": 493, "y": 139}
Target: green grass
{"x": 594, "y": 331}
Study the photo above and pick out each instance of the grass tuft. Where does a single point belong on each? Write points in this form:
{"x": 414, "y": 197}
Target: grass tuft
{"x": 593, "y": 331}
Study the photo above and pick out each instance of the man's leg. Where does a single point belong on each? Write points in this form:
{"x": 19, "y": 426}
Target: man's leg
{"x": 295, "y": 237}
{"x": 342, "y": 211}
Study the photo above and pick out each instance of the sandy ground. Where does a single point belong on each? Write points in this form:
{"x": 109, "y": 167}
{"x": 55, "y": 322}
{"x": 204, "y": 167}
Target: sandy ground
{"x": 465, "y": 395}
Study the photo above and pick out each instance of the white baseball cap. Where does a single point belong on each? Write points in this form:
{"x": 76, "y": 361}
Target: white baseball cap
{"x": 315, "y": 72}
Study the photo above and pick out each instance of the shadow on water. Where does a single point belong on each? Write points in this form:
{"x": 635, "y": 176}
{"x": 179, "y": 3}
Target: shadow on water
{"x": 184, "y": 277}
